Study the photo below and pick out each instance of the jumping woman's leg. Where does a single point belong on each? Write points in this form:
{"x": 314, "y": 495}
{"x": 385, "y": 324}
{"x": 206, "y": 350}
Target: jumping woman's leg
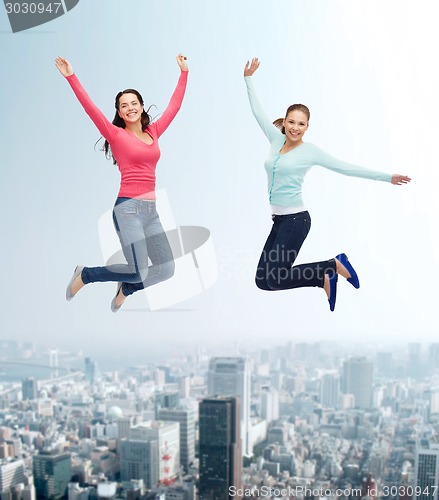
{"x": 159, "y": 252}
{"x": 127, "y": 218}
{"x": 275, "y": 269}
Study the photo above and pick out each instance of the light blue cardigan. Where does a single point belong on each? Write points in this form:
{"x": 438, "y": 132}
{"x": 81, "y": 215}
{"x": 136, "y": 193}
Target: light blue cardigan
{"x": 285, "y": 173}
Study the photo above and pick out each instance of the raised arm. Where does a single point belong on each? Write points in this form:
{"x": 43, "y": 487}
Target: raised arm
{"x": 265, "y": 123}
{"x": 105, "y": 127}
{"x": 323, "y": 159}
{"x": 177, "y": 98}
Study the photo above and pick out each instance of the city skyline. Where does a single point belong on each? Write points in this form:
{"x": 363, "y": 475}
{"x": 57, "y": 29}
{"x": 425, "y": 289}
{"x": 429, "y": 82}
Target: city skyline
{"x": 94, "y": 428}
{"x": 368, "y": 220}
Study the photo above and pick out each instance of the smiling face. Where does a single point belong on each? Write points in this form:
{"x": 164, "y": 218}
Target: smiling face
{"x": 295, "y": 125}
{"x": 130, "y": 108}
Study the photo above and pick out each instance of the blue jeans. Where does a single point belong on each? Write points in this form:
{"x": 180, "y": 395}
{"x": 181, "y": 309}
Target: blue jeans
{"x": 141, "y": 236}
{"x": 275, "y": 268}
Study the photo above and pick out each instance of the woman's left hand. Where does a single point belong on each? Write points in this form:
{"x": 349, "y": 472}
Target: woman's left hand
{"x": 398, "y": 179}
{"x": 181, "y": 61}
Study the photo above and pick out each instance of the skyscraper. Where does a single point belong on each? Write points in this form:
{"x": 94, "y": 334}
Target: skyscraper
{"x": 167, "y": 435}
{"x": 139, "y": 459}
{"x": 186, "y": 419}
{"x": 357, "y": 380}
{"x": 29, "y": 388}
{"x": 52, "y": 473}
{"x": 91, "y": 370}
{"x": 231, "y": 377}
{"x": 427, "y": 469}
{"x": 184, "y": 385}
{"x": 330, "y": 390}
{"x": 269, "y": 403}
{"x": 220, "y": 448}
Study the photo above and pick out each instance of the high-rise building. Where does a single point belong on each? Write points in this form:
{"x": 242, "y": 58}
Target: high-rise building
{"x": 91, "y": 370}
{"x": 11, "y": 474}
{"x": 52, "y": 474}
{"x": 427, "y": 469}
{"x": 124, "y": 425}
{"x": 357, "y": 380}
{"x": 231, "y": 377}
{"x": 330, "y": 390}
{"x": 139, "y": 459}
{"x": 168, "y": 400}
{"x": 220, "y": 448}
{"x": 167, "y": 435}
{"x": 184, "y": 385}
{"x": 29, "y": 388}
{"x": 186, "y": 419}
{"x": 269, "y": 403}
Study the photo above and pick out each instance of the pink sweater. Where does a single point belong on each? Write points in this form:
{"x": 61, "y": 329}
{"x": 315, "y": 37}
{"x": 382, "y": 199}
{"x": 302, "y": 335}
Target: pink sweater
{"x": 136, "y": 160}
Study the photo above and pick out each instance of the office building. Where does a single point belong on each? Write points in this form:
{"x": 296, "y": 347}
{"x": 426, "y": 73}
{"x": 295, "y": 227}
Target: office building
{"x": 231, "y": 377}
{"x": 168, "y": 400}
{"x": 184, "y": 385}
{"x": 11, "y": 474}
{"x": 52, "y": 474}
{"x": 91, "y": 370}
{"x": 186, "y": 420}
{"x": 139, "y": 459}
{"x": 220, "y": 447}
{"x": 357, "y": 380}
{"x": 269, "y": 403}
{"x": 427, "y": 469}
{"x": 29, "y": 388}
{"x": 167, "y": 436}
{"x": 330, "y": 390}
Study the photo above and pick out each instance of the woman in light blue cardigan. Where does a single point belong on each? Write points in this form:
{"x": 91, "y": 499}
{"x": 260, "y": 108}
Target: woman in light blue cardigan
{"x": 288, "y": 161}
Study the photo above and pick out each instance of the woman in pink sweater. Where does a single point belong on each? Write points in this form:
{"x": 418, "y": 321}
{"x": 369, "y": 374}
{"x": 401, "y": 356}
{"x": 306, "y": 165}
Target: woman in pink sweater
{"x": 132, "y": 141}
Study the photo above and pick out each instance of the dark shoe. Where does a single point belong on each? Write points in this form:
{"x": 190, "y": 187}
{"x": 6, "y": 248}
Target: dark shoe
{"x": 353, "y": 280}
{"x": 333, "y": 277}
{"x": 76, "y": 273}
{"x": 114, "y": 307}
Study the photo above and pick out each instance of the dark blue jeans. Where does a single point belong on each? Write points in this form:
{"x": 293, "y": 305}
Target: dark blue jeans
{"x": 275, "y": 269}
{"x": 142, "y": 237}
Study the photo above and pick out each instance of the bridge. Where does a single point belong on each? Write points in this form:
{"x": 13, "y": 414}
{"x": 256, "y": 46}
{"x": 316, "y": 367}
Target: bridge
{"x": 37, "y": 365}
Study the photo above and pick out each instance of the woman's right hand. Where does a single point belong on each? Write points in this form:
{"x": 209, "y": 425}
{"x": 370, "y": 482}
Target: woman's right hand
{"x": 65, "y": 68}
{"x": 250, "y": 68}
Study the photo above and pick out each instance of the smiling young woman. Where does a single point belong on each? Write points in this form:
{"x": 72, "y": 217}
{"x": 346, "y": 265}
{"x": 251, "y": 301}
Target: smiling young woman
{"x": 288, "y": 161}
{"x": 131, "y": 140}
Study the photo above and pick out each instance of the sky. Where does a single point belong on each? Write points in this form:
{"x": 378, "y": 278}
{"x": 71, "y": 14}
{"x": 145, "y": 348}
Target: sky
{"x": 365, "y": 69}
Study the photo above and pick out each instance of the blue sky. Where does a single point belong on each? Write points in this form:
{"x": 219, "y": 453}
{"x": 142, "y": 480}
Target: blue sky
{"x": 367, "y": 72}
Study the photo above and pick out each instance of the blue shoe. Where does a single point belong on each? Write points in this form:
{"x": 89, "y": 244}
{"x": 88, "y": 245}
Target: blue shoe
{"x": 333, "y": 277}
{"x": 353, "y": 280}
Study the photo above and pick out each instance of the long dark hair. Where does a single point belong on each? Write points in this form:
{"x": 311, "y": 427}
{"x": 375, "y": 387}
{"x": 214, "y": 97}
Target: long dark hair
{"x": 118, "y": 121}
{"x": 294, "y": 107}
